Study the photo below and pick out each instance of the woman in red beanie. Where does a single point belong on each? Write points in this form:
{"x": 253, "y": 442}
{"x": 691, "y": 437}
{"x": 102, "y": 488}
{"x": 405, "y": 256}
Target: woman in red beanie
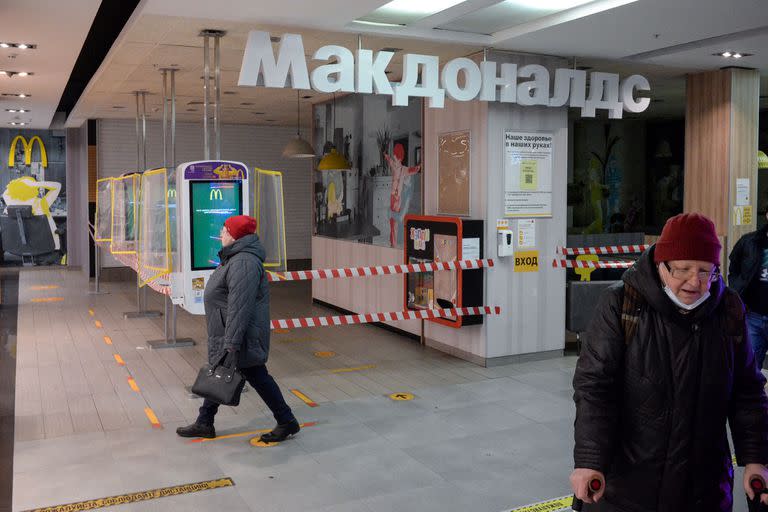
{"x": 237, "y": 314}
{"x": 665, "y": 366}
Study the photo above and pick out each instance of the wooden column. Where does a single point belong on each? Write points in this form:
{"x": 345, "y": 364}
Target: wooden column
{"x": 721, "y": 128}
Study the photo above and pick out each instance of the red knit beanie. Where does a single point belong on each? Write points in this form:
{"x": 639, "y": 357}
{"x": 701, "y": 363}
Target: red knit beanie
{"x": 240, "y": 225}
{"x": 688, "y": 236}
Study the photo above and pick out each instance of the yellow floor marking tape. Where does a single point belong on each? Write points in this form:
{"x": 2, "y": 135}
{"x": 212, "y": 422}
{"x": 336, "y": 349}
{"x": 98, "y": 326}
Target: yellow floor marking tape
{"x": 243, "y": 434}
{"x": 281, "y": 331}
{"x": 48, "y": 299}
{"x": 261, "y": 444}
{"x": 134, "y": 386}
{"x": 304, "y": 398}
{"x": 119, "y": 359}
{"x": 152, "y": 418}
{"x": 554, "y": 505}
{"x": 325, "y": 354}
{"x": 45, "y": 287}
{"x": 107, "y": 340}
{"x": 135, "y": 497}
{"x": 355, "y": 369}
{"x": 98, "y": 324}
{"x": 91, "y": 312}
{"x": 401, "y": 397}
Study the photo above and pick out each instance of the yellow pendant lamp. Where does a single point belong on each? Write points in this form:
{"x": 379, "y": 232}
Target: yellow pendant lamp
{"x": 762, "y": 160}
{"x": 333, "y": 160}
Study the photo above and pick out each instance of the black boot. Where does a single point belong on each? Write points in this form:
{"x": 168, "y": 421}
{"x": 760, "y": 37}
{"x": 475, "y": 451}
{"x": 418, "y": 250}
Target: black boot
{"x": 197, "y": 430}
{"x": 281, "y": 432}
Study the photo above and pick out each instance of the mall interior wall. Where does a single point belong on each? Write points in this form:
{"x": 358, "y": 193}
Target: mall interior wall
{"x": 256, "y": 146}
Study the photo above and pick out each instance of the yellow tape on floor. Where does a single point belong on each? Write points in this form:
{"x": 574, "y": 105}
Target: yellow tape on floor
{"x": 554, "y": 505}
{"x": 139, "y": 496}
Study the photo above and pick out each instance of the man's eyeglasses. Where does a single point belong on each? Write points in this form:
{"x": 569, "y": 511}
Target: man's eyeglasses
{"x": 684, "y": 274}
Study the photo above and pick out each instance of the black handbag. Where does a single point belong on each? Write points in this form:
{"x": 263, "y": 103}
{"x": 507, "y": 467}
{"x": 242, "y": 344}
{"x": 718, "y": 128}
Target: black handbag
{"x": 221, "y": 383}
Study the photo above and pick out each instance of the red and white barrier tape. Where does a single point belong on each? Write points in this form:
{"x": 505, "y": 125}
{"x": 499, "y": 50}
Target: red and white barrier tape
{"x": 325, "y": 321}
{"x": 614, "y": 249}
{"x": 336, "y": 273}
{"x": 591, "y": 264}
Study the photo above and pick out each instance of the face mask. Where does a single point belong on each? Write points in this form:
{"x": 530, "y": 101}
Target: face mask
{"x": 679, "y": 303}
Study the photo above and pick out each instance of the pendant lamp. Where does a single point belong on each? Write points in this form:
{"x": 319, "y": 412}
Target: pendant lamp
{"x": 333, "y": 160}
{"x": 298, "y": 147}
{"x": 762, "y": 160}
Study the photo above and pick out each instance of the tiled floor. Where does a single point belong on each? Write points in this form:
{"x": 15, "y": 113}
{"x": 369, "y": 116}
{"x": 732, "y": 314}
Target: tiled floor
{"x": 473, "y": 439}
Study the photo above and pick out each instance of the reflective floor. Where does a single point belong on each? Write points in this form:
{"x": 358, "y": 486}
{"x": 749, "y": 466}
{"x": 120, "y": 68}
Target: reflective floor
{"x": 471, "y": 439}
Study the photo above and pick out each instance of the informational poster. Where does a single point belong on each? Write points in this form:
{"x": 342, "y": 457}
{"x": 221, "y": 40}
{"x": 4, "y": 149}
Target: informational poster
{"x": 742, "y": 191}
{"x": 527, "y": 174}
{"x": 453, "y": 173}
{"x": 470, "y": 248}
{"x": 526, "y": 233}
{"x": 742, "y": 215}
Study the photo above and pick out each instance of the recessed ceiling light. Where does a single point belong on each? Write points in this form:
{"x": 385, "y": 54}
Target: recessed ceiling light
{"x": 14, "y": 123}
{"x": 726, "y": 54}
{"x": 24, "y": 73}
{"x": 390, "y": 49}
{"x": 246, "y": 104}
{"x": 732, "y": 55}
{"x": 547, "y": 5}
{"x": 737, "y": 55}
{"x": 275, "y": 39}
{"x": 15, "y": 95}
{"x": 17, "y": 110}
{"x": 307, "y": 96}
{"x": 379, "y": 24}
{"x": 20, "y": 46}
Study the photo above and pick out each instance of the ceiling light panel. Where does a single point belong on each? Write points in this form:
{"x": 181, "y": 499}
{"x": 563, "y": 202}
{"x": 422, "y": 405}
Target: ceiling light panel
{"x": 403, "y": 12}
{"x": 507, "y": 14}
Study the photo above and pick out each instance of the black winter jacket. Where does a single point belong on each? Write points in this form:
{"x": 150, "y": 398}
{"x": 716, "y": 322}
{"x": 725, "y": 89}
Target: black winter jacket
{"x": 651, "y": 414}
{"x": 745, "y": 260}
{"x": 237, "y": 304}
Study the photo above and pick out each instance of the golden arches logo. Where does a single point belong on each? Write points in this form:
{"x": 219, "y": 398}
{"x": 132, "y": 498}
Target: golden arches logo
{"x": 28, "y": 146}
{"x": 171, "y": 192}
{"x": 216, "y": 194}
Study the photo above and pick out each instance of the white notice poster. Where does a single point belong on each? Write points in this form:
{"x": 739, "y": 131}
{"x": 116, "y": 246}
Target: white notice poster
{"x": 527, "y": 174}
{"x": 470, "y": 249}
{"x": 742, "y": 191}
{"x": 526, "y": 233}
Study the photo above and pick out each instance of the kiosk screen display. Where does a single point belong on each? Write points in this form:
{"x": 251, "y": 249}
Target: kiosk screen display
{"x": 211, "y": 203}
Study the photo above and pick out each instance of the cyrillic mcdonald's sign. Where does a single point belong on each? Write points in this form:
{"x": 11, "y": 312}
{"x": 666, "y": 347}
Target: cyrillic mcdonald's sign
{"x": 216, "y": 194}
{"x": 28, "y": 146}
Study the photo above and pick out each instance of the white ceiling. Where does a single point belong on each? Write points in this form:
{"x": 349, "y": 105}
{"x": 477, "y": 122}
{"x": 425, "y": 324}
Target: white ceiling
{"x": 662, "y": 38}
{"x": 59, "y": 30}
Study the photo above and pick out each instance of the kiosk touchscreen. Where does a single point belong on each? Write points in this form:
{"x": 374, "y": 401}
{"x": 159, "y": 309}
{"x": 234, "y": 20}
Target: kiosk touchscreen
{"x": 208, "y": 192}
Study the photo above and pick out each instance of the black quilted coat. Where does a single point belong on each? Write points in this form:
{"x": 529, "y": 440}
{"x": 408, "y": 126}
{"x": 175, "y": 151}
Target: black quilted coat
{"x": 237, "y": 304}
{"x": 651, "y": 414}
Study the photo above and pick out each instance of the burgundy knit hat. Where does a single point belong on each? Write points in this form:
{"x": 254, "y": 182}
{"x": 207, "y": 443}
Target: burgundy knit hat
{"x": 688, "y": 236}
{"x": 240, "y": 225}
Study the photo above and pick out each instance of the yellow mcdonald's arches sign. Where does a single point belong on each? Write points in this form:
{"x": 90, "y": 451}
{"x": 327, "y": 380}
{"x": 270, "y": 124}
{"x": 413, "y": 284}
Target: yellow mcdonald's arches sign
{"x": 216, "y": 194}
{"x": 28, "y": 146}
{"x": 171, "y": 192}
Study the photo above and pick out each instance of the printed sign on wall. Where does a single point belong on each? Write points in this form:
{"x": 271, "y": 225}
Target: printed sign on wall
{"x": 527, "y": 174}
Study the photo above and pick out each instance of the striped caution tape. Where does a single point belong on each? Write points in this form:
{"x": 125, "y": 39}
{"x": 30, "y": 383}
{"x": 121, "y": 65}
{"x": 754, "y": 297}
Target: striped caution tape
{"x": 367, "y": 318}
{"x": 336, "y": 273}
{"x": 591, "y": 264}
{"x": 135, "y": 497}
{"x": 613, "y": 249}
{"x": 554, "y": 505}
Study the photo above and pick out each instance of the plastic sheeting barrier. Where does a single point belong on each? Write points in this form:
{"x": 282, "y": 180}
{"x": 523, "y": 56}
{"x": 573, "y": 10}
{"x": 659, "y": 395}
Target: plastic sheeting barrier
{"x": 270, "y": 215}
{"x": 125, "y": 191}
{"x": 104, "y": 210}
{"x": 154, "y": 227}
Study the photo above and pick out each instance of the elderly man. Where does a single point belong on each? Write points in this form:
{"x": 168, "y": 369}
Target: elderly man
{"x": 665, "y": 367}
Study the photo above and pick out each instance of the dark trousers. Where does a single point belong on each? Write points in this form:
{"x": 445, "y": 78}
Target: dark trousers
{"x": 260, "y": 379}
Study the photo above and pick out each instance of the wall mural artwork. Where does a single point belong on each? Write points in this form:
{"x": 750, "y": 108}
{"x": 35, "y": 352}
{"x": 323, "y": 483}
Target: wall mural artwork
{"x": 368, "y": 202}
{"x": 34, "y": 190}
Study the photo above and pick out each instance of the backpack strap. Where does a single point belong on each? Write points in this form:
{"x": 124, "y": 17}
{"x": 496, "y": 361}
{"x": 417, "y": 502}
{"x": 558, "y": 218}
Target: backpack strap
{"x": 631, "y": 307}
